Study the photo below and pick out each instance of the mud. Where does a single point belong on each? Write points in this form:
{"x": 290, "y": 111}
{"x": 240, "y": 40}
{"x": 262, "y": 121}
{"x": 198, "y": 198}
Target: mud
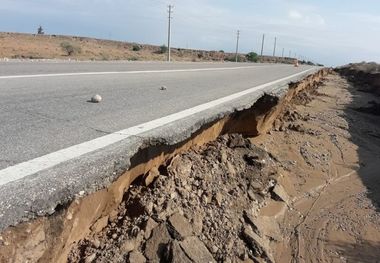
{"x": 52, "y": 239}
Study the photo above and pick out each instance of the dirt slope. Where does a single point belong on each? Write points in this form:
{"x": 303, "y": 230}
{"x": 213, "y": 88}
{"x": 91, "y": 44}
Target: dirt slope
{"x": 30, "y": 46}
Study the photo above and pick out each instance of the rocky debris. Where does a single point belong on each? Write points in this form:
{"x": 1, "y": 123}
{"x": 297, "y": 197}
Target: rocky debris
{"x": 90, "y": 258}
{"x": 155, "y": 245}
{"x": 315, "y": 157}
{"x": 151, "y": 175}
{"x": 193, "y": 210}
{"x": 163, "y": 88}
{"x": 136, "y": 257}
{"x": 292, "y": 120}
{"x": 196, "y": 250}
{"x": 264, "y": 226}
{"x": 280, "y": 192}
{"x": 96, "y": 98}
{"x": 149, "y": 226}
{"x": 176, "y": 254}
{"x": 180, "y": 225}
{"x": 259, "y": 246}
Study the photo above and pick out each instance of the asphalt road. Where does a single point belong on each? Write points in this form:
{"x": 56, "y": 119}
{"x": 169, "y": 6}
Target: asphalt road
{"x": 45, "y": 113}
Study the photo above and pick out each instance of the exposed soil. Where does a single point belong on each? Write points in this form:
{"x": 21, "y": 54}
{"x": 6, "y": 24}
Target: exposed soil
{"x": 333, "y": 177}
{"x": 365, "y": 76}
{"x": 52, "y": 238}
{"x": 307, "y": 192}
{"x": 193, "y": 196}
{"x": 30, "y": 46}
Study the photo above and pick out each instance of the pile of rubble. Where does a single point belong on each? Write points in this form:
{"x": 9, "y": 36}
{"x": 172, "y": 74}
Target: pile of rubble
{"x": 202, "y": 207}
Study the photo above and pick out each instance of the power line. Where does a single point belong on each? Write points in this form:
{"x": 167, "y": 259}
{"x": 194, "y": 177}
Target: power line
{"x": 237, "y": 45}
{"x": 170, "y": 11}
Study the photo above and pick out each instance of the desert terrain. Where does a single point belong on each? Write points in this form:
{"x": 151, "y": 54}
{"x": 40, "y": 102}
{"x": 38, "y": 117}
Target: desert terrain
{"x": 33, "y": 46}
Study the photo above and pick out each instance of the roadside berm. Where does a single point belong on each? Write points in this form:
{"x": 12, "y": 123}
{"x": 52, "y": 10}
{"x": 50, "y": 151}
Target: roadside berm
{"x": 292, "y": 178}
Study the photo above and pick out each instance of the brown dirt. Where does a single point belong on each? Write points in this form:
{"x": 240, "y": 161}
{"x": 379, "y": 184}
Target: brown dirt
{"x": 308, "y": 192}
{"x": 31, "y": 46}
{"x": 50, "y": 239}
{"x": 365, "y": 76}
{"x": 207, "y": 187}
{"x": 331, "y": 176}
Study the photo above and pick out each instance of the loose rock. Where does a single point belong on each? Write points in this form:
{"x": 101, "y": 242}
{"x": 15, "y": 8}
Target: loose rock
{"x": 96, "y": 98}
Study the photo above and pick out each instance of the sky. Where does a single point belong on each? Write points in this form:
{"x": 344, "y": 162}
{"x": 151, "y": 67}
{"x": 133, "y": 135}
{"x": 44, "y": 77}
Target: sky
{"x": 331, "y": 32}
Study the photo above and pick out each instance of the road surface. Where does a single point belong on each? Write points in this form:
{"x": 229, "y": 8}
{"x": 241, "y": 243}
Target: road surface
{"x": 44, "y": 105}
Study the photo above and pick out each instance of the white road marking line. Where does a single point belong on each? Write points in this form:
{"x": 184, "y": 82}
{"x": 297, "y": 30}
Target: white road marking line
{"x": 33, "y": 166}
{"x": 123, "y": 72}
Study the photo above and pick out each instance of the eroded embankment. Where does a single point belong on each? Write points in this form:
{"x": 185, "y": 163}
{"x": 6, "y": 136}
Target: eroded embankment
{"x": 51, "y": 239}
{"x": 365, "y": 76}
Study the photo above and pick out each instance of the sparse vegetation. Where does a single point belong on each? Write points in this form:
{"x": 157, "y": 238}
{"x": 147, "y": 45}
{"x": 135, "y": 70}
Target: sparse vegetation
{"x": 232, "y": 58}
{"x": 252, "y": 57}
{"x": 40, "y": 31}
{"x": 163, "y": 49}
{"x": 136, "y": 48}
{"x": 56, "y": 46}
{"x": 70, "y": 49}
{"x": 104, "y": 56}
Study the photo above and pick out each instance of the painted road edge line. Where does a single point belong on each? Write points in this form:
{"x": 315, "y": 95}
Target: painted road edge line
{"x": 47, "y": 161}
{"x": 122, "y": 72}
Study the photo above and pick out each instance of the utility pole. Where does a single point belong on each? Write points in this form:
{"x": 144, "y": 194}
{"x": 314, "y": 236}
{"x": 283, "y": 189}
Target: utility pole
{"x": 290, "y": 53}
{"x": 262, "y": 45}
{"x": 170, "y": 11}
{"x": 237, "y": 45}
{"x": 283, "y": 50}
{"x": 274, "y": 48}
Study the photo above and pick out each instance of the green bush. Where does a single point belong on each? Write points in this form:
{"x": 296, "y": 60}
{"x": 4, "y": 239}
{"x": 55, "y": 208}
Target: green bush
{"x": 70, "y": 49}
{"x": 40, "y": 31}
{"x": 252, "y": 57}
{"x": 136, "y": 48}
{"x": 232, "y": 58}
{"x": 163, "y": 49}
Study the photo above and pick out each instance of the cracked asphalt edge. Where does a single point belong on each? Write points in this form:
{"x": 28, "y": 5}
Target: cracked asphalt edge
{"x": 41, "y": 193}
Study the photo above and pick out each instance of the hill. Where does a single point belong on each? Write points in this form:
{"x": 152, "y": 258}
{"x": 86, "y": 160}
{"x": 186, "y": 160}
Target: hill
{"x": 32, "y": 46}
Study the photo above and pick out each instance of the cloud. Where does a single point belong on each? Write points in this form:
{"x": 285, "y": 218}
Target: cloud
{"x": 318, "y": 29}
{"x": 306, "y": 18}
{"x": 294, "y": 14}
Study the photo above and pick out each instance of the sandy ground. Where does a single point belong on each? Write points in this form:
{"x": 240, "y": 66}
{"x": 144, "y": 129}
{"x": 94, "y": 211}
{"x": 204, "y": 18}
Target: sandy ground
{"x": 333, "y": 179}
